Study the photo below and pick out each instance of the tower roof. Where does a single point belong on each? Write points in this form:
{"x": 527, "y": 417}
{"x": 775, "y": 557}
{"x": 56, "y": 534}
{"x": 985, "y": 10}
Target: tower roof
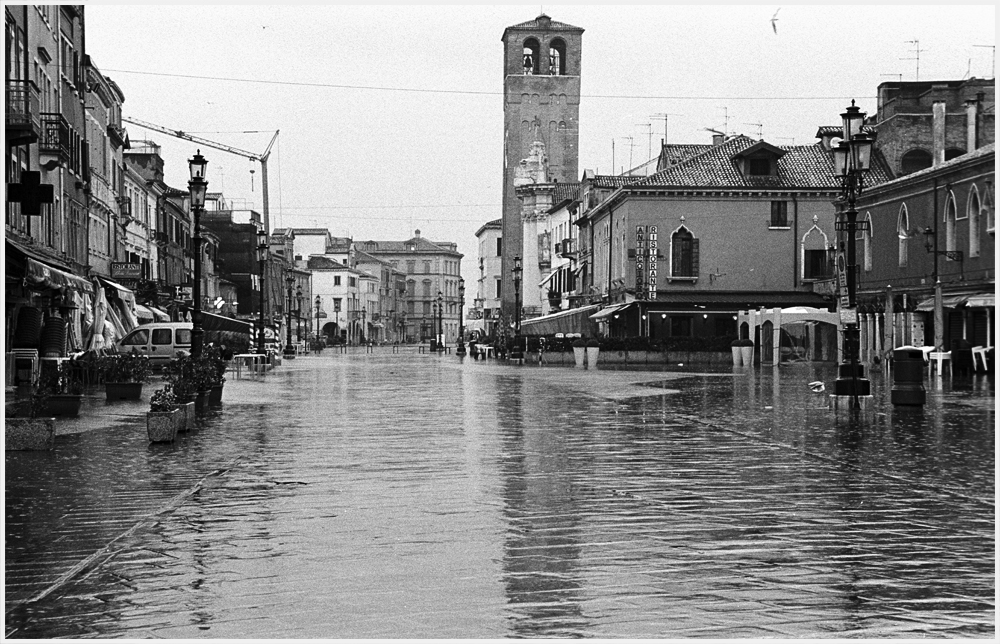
{"x": 542, "y": 23}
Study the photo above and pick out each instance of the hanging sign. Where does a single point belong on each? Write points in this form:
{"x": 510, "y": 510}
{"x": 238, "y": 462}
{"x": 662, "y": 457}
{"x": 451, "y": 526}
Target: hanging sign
{"x": 653, "y": 250}
{"x": 640, "y": 262}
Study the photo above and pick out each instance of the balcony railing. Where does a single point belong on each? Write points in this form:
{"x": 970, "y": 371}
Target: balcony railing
{"x": 55, "y": 139}
{"x": 23, "y": 118}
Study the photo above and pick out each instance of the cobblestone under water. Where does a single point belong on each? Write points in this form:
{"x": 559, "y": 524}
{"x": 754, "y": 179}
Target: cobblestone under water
{"x": 420, "y": 496}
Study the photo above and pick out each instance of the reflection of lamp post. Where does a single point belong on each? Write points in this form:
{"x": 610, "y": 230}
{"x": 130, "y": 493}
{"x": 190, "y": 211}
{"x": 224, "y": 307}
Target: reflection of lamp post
{"x": 931, "y": 244}
{"x": 461, "y": 317}
{"x": 298, "y": 315}
{"x": 197, "y": 187}
{"x": 261, "y": 259}
{"x": 440, "y": 302}
{"x": 851, "y": 159}
{"x": 289, "y": 349}
{"x": 364, "y": 325}
{"x": 402, "y": 327}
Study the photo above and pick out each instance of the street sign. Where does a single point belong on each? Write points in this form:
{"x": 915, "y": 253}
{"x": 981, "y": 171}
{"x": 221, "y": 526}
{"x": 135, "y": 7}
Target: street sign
{"x": 848, "y": 316}
{"x": 845, "y": 300}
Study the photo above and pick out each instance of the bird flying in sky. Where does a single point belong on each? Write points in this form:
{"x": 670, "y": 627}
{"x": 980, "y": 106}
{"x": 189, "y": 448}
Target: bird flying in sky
{"x": 774, "y": 21}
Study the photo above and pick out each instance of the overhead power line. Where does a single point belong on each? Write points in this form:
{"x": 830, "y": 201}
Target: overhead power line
{"x": 481, "y": 93}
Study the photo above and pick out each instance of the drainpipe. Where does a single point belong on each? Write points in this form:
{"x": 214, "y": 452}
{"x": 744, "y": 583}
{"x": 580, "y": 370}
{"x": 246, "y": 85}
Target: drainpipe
{"x": 795, "y": 242}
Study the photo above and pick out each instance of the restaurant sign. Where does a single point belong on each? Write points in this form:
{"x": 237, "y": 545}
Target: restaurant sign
{"x": 646, "y": 250}
{"x": 126, "y": 270}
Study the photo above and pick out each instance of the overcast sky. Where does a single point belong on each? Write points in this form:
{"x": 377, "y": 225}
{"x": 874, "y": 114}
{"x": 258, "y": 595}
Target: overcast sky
{"x": 391, "y": 117}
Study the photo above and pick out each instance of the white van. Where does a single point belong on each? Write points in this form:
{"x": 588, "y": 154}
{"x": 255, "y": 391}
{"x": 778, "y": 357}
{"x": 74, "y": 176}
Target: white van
{"x": 159, "y": 341}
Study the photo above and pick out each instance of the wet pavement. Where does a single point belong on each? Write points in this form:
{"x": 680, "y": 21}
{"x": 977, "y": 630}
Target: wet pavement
{"x": 419, "y": 496}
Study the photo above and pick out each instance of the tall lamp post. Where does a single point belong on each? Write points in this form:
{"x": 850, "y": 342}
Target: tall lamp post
{"x": 197, "y": 186}
{"x": 298, "y": 315}
{"x": 261, "y": 260}
{"x": 931, "y": 244}
{"x": 851, "y": 160}
{"x": 289, "y": 349}
{"x": 440, "y": 302}
{"x": 364, "y": 325}
{"x": 461, "y": 318}
{"x": 402, "y": 327}
{"x": 319, "y": 305}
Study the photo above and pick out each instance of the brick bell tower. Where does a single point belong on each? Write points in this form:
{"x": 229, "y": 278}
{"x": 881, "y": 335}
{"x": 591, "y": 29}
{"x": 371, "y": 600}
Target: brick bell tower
{"x": 541, "y": 102}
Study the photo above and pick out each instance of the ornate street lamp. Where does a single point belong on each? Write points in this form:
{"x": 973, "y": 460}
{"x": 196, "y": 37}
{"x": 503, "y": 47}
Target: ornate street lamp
{"x": 198, "y": 187}
{"x": 851, "y": 160}
{"x": 298, "y": 315}
{"x": 262, "y": 249}
{"x": 440, "y": 303}
{"x": 289, "y": 349}
{"x": 461, "y": 318}
{"x": 364, "y": 325}
{"x": 516, "y": 353}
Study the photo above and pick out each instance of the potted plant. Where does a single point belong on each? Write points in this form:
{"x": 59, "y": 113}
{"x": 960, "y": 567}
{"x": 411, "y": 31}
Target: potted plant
{"x": 26, "y": 427}
{"x": 745, "y": 347}
{"x": 63, "y": 391}
{"x": 580, "y": 352}
{"x": 216, "y": 369}
{"x": 593, "y": 349}
{"x": 179, "y": 373}
{"x": 161, "y": 420}
{"x": 124, "y": 375}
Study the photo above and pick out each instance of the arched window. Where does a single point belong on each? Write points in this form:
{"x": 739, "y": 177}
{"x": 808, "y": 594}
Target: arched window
{"x": 815, "y": 255}
{"x": 557, "y": 57}
{"x": 950, "y": 216}
{"x": 683, "y": 254}
{"x": 953, "y": 153}
{"x": 973, "y": 210}
{"x": 531, "y": 52}
{"x": 915, "y": 160}
{"x": 903, "y": 232}
{"x": 988, "y": 209}
{"x": 865, "y": 238}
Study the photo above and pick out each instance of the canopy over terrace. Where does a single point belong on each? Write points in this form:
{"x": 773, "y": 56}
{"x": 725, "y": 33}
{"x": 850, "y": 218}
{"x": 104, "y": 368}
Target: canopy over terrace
{"x": 570, "y": 321}
{"x": 765, "y": 326}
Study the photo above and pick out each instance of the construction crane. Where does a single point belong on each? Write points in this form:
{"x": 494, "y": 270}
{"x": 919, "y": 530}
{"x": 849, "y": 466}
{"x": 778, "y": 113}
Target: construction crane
{"x": 262, "y": 158}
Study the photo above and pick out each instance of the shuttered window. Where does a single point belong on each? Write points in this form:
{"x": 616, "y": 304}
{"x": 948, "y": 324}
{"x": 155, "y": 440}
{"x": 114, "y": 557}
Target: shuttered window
{"x": 683, "y": 254}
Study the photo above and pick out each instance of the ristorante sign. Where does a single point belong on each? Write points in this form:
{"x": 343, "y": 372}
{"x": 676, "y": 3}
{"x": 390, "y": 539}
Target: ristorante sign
{"x": 646, "y": 250}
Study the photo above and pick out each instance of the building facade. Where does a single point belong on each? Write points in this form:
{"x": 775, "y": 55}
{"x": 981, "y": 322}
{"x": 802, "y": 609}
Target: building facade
{"x": 486, "y": 309}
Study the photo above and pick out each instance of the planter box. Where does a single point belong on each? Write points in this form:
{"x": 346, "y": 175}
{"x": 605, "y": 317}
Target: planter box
{"x": 29, "y": 433}
{"x": 215, "y": 395}
{"x": 580, "y": 355}
{"x": 737, "y": 356}
{"x": 747, "y": 355}
{"x": 186, "y": 419}
{"x": 592, "y": 353}
{"x": 161, "y": 426}
{"x": 63, "y": 405}
{"x": 201, "y": 402}
{"x": 123, "y": 390}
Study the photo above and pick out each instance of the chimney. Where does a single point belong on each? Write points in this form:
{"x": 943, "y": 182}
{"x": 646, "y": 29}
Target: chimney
{"x": 971, "y": 121}
{"x": 718, "y": 139}
{"x": 416, "y": 233}
{"x": 938, "y": 132}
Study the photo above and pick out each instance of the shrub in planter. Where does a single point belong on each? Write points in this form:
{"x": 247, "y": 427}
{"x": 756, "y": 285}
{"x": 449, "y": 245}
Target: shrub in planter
{"x": 63, "y": 391}
{"x": 124, "y": 375}
{"x": 579, "y": 351}
{"x": 161, "y": 421}
{"x": 28, "y": 428}
{"x": 593, "y": 350}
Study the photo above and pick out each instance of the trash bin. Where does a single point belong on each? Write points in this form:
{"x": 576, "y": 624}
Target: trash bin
{"x": 434, "y": 345}
{"x": 908, "y": 377}
{"x": 961, "y": 357}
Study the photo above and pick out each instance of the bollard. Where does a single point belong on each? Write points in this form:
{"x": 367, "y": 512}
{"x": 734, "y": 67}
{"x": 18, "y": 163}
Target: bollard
{"x": 908, "y": 377}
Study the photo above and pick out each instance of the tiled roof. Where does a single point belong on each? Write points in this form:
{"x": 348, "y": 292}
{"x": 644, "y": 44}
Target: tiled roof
{"x": 310, "y": 231}
{"x": 319, "y": 262}
{"x": 802, "y": 166}
{"x": 613, "y": 181}
{"x": 544, "y": 22}
{"x": 565, "y": 191}
{"x": 494, "y": 224}
{"x": 677, "y": 152}
{"x": 422, "y": 245}
{"x": 975, "y": 154}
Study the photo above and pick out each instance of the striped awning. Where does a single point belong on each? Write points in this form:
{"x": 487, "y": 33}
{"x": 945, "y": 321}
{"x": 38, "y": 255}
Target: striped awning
{"x": 606, "y": 311}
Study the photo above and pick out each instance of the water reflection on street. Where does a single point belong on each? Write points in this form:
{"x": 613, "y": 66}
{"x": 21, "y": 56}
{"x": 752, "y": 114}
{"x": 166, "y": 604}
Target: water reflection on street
{"x": 417, "y": 496}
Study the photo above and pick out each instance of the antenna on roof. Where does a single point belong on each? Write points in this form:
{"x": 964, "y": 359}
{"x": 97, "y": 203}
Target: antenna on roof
{"x": 760, "y": 130}
{"x": 665, "y": 116}
{"x": 993, "y": 67}
{"x": 898, "y": 76}
{"x": 916, "y": 49}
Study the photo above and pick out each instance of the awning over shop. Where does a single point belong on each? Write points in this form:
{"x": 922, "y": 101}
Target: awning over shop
{"x": 213, "y": 322}
{"x": 150, "y": 314}
{"x": 606, "y": 311}
{"x": 985, "y": 300}
{"x": 947, "y": 302}
{"x": 570, "y": 321}
{"x": 51, "y": 277}
{"x": 123, "y": 293}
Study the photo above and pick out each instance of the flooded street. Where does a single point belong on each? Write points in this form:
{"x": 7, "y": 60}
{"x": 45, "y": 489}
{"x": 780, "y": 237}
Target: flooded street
{"x": 414, "y": 496}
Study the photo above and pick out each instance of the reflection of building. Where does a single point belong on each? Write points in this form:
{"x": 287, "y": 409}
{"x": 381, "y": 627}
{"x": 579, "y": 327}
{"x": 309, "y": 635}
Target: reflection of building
{"x": 541, "y": 103}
